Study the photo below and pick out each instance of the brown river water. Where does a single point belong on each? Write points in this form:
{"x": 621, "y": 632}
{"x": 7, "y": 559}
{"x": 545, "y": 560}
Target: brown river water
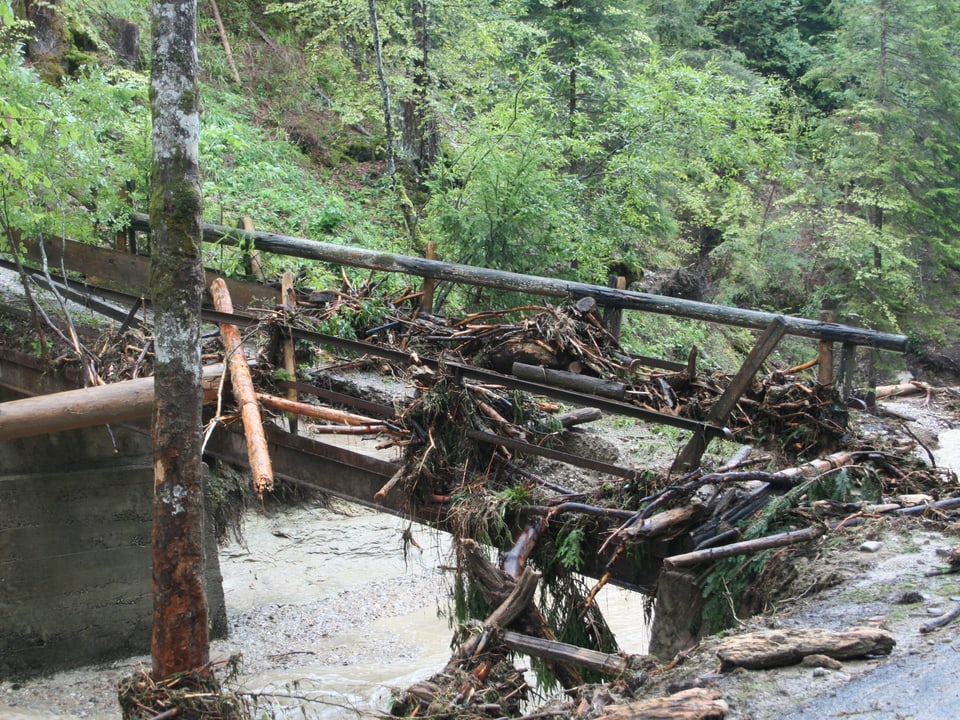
{"x": 325, "y": 610}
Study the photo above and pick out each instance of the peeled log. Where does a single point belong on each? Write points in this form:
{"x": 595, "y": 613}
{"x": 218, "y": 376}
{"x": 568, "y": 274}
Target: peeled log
{"x": 693, "y": 704}
{"x": 260, "y": 466}
{"x": 87, "y": 407}
{"x": 744, "y": 547}
{"x": 548, "y": 287}
{"x": 775, "y": 648}
{"x": 316, "y": 411}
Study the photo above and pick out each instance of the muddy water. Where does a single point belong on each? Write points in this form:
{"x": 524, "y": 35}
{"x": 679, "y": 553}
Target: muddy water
{"x": 326, "y": 611}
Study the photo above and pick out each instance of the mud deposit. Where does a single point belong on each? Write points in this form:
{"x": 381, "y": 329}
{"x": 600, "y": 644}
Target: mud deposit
{"x": 322, "y": 606}
{"x": 327, "y": 613}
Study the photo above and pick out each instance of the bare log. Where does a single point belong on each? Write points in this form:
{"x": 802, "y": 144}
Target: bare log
{"x": 610, "y": 664}
{"x": 775, "y": 648}
{"x": 509, "y": 610}
{"x": 579, "y": 416}
{"x": 747, "y": 546}
{"x": 791, "y": 476}
{"x": 549, "y": 287}
{"x": 692, "y": 704}
{"x": 73, "y": 409}
{"x": 901, "y": 389}
{"x": 516, "y": 557}
{"x": 569, "y": 381}
{"x": 668, "y": 524}
{"x": 261, "y": 468}
{"x": 349, "y": 429}
{"x": 388, "y": 486}
{"x": 315, "y": 411}
{"x": 226, "y": 41}
{"x": 939, "y": 622}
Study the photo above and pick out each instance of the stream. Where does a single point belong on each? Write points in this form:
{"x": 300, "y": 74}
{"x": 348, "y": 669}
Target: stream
{"x": 325, "y": 610}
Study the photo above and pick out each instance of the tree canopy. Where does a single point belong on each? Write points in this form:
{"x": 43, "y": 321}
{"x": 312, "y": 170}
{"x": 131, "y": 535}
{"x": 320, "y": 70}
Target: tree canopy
{"x": 786, "y": 152}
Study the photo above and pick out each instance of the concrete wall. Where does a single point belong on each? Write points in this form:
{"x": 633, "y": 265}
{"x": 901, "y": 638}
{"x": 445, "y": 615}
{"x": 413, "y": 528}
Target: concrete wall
{"x": 75, "y": 558}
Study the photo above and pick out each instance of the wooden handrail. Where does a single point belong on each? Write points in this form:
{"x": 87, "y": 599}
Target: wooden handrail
{"x": 535, "y": 285}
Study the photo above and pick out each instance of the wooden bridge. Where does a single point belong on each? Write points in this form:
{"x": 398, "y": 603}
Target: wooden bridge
{"x": 114, "y": 283}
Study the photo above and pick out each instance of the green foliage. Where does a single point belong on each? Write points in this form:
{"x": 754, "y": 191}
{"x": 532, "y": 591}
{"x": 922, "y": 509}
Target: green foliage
{"x": 70, "y": 151}
{"x": 570, "y": 546}
{"x": 247, "y": 173}
{"x": 564, "y": 607}
{"x": 687, "y": 149}
{"x": 723, "y": 587}
{"x": 767, "y": 32}
{"x": 502, "y": 200}
{"x": 349, "y": 320}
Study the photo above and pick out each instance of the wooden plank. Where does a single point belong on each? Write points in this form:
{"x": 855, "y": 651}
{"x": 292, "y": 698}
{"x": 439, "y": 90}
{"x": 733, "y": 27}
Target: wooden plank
{"x": 131, "y": 273}
{"x": 554, "y": 651}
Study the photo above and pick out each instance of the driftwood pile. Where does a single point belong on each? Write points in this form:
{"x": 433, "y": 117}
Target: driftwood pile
{"x": 569, "y": 346}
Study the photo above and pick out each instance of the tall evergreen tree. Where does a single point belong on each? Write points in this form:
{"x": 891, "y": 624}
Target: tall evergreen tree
{"x": 890, "y": 153}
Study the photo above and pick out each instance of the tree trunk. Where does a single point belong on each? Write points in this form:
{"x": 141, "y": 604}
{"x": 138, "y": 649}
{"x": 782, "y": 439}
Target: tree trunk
{"x": 776, "y": 648}
{"x": 180, "y": 639}
{"x": 384, "y": 89}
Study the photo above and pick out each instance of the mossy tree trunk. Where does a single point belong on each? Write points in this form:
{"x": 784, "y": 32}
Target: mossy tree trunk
{"x": 180, "y": 640}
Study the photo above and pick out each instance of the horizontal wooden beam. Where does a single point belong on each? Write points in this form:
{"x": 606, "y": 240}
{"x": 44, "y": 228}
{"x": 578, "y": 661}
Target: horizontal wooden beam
{"x": 534, "y": 285}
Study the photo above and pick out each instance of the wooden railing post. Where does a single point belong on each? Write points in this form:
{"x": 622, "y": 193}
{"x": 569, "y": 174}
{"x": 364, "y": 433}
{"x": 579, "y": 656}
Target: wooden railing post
{"x": 848, "y": 361}
{"x": 252, "y": 262}
{"x": 613, "y": 316}
{"x": 429, "y": 284}
{"x": 288, "y": 298}
{"x": 126, "y": 240}
{"x": 825, "y": 348}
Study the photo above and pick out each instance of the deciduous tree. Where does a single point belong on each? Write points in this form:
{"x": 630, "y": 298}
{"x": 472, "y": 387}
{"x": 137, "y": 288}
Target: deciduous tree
{"x": 180, "y": 639}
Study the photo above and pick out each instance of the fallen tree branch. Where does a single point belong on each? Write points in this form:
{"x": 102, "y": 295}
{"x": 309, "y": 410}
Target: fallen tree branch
{"x": 388, "y": 486}
{"x": 315, "y": 411}
{"x": 939, "y": 622}
{"x": 747, "y": 546}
